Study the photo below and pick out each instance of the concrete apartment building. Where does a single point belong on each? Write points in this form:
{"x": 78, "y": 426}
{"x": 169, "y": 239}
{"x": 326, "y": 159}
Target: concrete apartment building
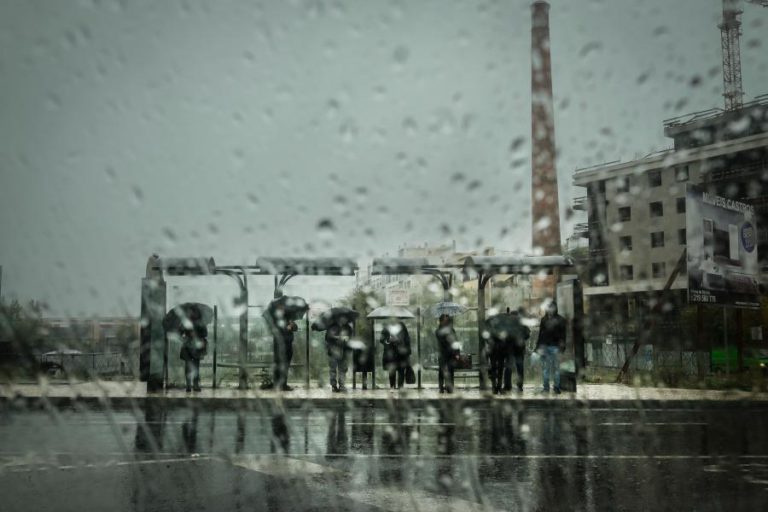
{"x": 636, "y": 210}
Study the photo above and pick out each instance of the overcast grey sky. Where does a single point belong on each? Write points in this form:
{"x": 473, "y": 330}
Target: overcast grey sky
{"x": 235, "y": 128}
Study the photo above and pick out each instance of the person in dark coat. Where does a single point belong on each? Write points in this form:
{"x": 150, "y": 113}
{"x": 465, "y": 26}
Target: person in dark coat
{"x": 282, "y": 348}
{"x": 194, "y": 346}
{"x": 498, "y": 351}
{"x": 516, "y": 354}
{"x": 447, "y": 351}
{"x": 397, "y": 352}
{"x": 337, "y": 345}
{"x": 550, "y": 344}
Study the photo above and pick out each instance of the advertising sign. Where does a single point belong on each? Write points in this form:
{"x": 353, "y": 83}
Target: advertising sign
{"x": 398, "y": 297}
{"x": 721, "y": 236}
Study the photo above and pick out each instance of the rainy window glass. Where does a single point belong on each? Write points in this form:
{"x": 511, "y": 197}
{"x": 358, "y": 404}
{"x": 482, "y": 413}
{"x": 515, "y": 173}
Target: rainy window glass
{"x": 383, "y": 255}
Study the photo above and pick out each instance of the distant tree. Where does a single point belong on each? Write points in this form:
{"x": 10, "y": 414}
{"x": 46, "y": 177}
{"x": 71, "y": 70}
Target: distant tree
{"x": 363, "y": 300}
{"x": 22, "y": 330}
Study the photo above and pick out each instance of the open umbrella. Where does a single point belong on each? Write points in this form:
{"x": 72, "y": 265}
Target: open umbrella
{"x": 286, "y": 308}
{"x": 447, "y": 308}
{"x": 503, "y": 327}
{"x": 337, "y": 315}
{"x": 187, "y": 315}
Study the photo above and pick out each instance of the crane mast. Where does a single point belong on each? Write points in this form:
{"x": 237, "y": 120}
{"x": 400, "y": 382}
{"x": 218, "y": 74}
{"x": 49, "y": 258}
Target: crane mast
{"x": 730, "y": 35}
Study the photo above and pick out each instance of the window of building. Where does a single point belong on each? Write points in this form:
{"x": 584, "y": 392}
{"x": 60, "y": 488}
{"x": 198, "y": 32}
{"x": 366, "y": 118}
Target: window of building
{"x": 681, "y": 238}
{"x": 625, "y": 214}
{"x": 654, "y": 178}
{"x": 657, "y": 209}
{"x": 657, "y": 239}
{"x": 622, "y": 185}
{"x": 680, "y": 205}
{"x": 626, "y": 272}
{"x": 625, "y": 243}
{"x": 659, "y": 270}
{"x": 601, "y": 186}
{"x": 681, "y": 173}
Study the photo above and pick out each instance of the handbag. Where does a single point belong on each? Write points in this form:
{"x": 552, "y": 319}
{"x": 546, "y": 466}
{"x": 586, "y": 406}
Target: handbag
{"x": 410, "y": 375}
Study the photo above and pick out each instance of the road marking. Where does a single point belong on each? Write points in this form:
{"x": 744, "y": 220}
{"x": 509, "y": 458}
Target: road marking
{"x": 651, "y": 423}
{"x": 26, "y": 466}
{"x": 279, "y": 465}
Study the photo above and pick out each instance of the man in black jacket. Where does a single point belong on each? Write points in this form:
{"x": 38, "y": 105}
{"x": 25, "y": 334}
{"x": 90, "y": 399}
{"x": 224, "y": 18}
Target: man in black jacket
{"x": 550, "y": 344}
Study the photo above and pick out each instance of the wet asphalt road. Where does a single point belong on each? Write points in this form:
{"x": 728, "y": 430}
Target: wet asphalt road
{"x": 484, "y": 456}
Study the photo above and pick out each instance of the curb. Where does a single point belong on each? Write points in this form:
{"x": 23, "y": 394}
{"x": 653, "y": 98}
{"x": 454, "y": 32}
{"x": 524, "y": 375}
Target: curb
{"x": 21, "y": 402}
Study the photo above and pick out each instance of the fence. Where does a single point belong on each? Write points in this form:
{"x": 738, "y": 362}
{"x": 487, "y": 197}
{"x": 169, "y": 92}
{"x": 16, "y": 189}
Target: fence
{"x": 648, "y": 358}
{"x": 101, "y": 363}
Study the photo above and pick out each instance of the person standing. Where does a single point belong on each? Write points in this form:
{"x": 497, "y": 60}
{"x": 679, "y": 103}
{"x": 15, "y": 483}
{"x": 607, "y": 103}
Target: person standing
{"x": 397, "y": 352}
{"x": 516, "y": 354}
{"x": 446, "y": 341}
{"x": 282, "y": 346}
{"x": 499, "y": 350}
{"x": 193, "y": 348}
{"x": 336, "y": 345}
{"x": 550, "y": 344}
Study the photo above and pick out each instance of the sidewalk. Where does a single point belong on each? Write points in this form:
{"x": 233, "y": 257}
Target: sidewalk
{"x": 593, "y": 395}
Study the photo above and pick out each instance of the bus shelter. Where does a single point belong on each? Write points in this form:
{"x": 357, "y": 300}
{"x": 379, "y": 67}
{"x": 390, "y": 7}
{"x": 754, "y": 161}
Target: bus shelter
{"x": 154, "y": 352}
{"x": 485, "y": 268}
{"x": 444, "y": 274}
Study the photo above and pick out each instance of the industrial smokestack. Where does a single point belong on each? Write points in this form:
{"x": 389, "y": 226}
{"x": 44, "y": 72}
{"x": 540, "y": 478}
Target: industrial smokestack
{"x": 544, "y": 205}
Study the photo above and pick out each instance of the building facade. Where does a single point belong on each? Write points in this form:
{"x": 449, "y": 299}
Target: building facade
{"x": 636, "y": 218}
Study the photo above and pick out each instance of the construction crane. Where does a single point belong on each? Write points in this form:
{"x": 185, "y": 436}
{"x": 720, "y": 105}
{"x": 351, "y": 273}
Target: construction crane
{"x": 730, "y": 33}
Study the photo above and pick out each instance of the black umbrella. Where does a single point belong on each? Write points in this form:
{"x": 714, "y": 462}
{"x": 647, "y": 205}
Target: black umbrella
{"x": 187, "y": 315}
{"x": 503, "y": 327}
{"x": 338, "y": 315}
{"x": 286, "y": 308}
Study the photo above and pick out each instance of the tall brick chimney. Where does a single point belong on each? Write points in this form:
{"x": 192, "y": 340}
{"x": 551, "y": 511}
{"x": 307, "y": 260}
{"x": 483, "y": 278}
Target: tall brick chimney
{"x": 544, "y": 204}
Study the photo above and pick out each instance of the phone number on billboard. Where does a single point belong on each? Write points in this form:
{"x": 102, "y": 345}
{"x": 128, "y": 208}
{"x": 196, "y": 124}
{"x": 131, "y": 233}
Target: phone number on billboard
{"x": 700, "y": 296}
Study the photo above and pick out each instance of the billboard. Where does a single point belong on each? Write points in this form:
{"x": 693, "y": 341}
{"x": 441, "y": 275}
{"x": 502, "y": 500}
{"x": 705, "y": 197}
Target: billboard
{"x": 398, "y": 297}
{"x": 721, "y": 236}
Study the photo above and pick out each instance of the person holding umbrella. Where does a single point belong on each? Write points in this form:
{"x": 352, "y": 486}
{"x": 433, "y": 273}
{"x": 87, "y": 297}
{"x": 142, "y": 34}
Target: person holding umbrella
{"x": 194, "y": 345}
{"x": 336, "y": 344}
{"x": 338, "y": 326}
{"x": 446, "y": 344}
{"x": 397, "y": 352}
{"x": 280, "y": 316}
{"x": 282, "y": 346}
{"x": 516, "y": 353}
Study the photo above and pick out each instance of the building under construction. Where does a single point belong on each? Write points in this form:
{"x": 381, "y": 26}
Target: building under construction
{"x": 636, "y": 222}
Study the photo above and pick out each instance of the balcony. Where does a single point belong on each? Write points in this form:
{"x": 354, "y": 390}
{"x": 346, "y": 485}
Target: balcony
{"x": 580, "y": 203}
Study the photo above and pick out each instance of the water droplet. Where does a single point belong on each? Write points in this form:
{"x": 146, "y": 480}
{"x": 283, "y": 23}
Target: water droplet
{"x": 332, "y": 108}
{"x": 169, "y": 234}
{"x": 410, "y": 126}
{"x": 401, "y": 55}
{"x": 326, "y": 228}
{"x": 590, "y": 47}
{"x": 138, "y": 194}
